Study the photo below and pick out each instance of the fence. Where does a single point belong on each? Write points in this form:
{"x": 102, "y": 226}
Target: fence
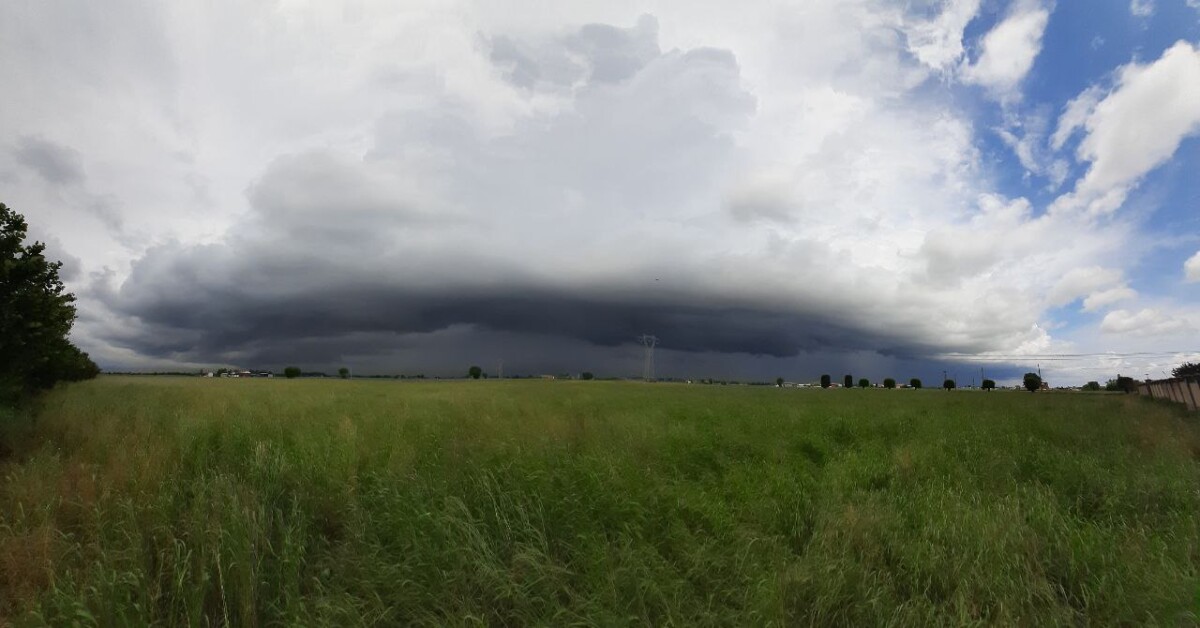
{"x": 1185, "y": 390}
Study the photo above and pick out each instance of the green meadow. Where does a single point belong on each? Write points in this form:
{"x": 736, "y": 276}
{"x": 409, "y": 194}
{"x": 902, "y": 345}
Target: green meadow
{"x": 194, "y": 502}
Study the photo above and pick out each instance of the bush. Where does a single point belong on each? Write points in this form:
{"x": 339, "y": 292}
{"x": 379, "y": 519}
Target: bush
{"x": 889, "y": 383}
{"x": 1032, "y": 382}
{"x": 864, "y": 383}
{"x": 586, "y": 375}
{"x": 988, "y": 384}
{"x": 291, "y": 372}
{"x": 915, "y": 382}
{"x": 1092, "y": 386}
{"x": 343, "y": 372}
{"x": 474, "y": 372}
{"x": 949, "y": 384}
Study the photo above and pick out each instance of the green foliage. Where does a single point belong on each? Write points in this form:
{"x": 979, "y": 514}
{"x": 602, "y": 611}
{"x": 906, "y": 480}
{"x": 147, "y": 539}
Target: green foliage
{"x": 1092, "y": 386}
{"x": 889, "y": 383}
{"x": 864, "y": 383}
{"x": 1126, "y": 384}
{"x": 915, "y": 382}
{"x": 949, "y": 384}
{"x": 474, "y": 372}
{"x": 1187, "y": 369}
{"x": 826, "y": 381}
{"x": 988, "y": 385}
{"x": 1032, "y": 382}
{"x": 586, "y": 375}
{"x": 848, "y": 381}
{"x": 291, "y": 372}
{"x": 36, "y": 314}
{"x": 779, "y": 382}
{"x": 343, "y": 372}
{"x": 138, "y": 501}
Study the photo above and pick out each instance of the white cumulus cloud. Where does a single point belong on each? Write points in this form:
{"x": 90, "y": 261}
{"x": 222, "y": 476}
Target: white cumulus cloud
{"x": 1141, "y": 8}
{"x": 1135, "y": 128}
{"x": 1145, "y": 322}
{"x": 1191, "y": 268}
{"x": 1009, "y": 50}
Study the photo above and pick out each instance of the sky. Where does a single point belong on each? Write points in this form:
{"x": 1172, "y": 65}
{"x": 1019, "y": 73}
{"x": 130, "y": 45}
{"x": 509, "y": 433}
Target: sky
{"x": 889, "y": 189}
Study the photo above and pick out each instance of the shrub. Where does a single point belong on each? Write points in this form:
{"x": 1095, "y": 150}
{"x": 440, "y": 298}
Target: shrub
{"x": 889, "y": 383}
{"x": 915, "y": 382}
{"x": 291, "y": 372}
{"x": 864, "y": 383}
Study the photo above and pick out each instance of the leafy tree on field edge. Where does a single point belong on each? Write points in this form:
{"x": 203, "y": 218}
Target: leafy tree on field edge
{"x": 826, "y": 381}
{"x": 848, "y": 381}
{"x": 1032, "y": 382}
{"x": 889, "y": 383}
{"x": 949, "y": 384}
{"x": 36, "y": 314}
{"x": 587, "y": 375}
{"x": 988, "y": 385}
{"x": 864, "y": 383}
{"x": 343, "y": 372}
{"x": 915, "y": 382}
{"x": 291, "y": 372}
{"x": 1187, "y": 369}
{"x": 474, "y": 372}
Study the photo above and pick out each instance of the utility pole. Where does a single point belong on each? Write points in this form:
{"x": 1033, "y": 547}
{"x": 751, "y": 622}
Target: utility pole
{"x": 648, "y": 343}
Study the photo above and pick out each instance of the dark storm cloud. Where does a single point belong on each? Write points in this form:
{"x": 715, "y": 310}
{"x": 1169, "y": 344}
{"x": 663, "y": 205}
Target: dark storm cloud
{"x": 216, "y": 320}
{"x": 54, "y": 163}
{"x": 538, "y": 238}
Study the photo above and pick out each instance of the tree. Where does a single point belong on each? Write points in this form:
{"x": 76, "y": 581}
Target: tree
{"x": 915, "y": 382}
{"x": 826, "y": 381}
{"x": 36, "y": 314}
{"x": 1187, "y": 369}
{"x": 949, "y": 385}
{"x": 586, "y": 375}
{"x": 779, "y": 382}
{"x": 343, "y": 372}
{"x": 864, "y": 383}
{"x": 1126, "y": 384}
{"x": 889, "y": 383}
{"x": 1032, "y": 382}
{"x": 988, "y": 385}
{"x": 291, "y": 372}
{"x": 848, "y": 381}
{"x": 1092, "y": 386}
{"x": 474, "y": 372}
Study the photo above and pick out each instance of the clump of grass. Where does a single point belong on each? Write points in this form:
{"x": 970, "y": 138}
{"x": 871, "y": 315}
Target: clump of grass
{"x": 181, "y": 501}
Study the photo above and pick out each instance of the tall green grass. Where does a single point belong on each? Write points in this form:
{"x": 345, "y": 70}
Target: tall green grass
{"x": 202, "y": 502}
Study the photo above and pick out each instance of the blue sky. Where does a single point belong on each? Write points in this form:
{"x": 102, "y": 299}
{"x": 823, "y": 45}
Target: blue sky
{"x": 772, "y": 188}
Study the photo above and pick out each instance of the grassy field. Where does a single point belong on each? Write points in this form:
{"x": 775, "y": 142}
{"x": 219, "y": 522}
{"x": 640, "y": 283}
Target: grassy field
{"x": 273, "y": 502}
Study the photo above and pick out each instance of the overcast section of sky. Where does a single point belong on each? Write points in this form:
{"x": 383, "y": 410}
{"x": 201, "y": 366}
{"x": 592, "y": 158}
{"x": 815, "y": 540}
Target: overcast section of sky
{"x": 780, "y": 188}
